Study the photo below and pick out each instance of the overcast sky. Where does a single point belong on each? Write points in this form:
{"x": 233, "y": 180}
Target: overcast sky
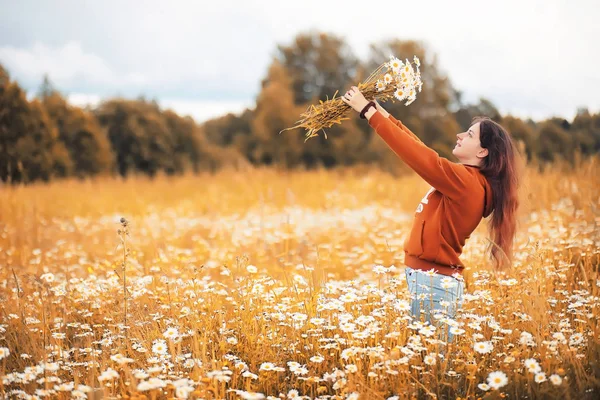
{"x": 204, "y": 58}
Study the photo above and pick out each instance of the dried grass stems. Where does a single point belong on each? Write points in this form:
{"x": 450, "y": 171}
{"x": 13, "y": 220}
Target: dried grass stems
{"x": 391, "y": 80}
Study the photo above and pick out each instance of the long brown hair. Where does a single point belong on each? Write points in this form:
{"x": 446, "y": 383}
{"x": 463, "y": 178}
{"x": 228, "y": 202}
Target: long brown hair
{"x": 501, "y": 169}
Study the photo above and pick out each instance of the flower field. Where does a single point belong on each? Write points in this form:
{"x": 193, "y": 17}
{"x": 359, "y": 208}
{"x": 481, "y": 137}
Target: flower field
{"x": 268, "y": 284}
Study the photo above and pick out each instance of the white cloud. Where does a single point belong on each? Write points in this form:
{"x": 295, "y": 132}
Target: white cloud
{"x": 65, "y": 65}
{"x": 201, "y": 111}
{"x": 530, "y": 58}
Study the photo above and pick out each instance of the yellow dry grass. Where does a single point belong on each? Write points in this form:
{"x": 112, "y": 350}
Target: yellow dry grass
{"x": 261, "y": 283}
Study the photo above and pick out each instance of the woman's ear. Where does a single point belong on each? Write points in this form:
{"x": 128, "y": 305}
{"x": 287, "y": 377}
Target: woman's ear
{"x": 482, "y": 153}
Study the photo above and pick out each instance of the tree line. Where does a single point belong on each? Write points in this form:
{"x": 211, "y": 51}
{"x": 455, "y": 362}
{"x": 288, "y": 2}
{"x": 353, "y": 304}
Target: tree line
{"x": 47, "y": 138}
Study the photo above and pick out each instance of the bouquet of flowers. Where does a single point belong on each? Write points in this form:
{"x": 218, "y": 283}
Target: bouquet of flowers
{"x": 395, "y": 80}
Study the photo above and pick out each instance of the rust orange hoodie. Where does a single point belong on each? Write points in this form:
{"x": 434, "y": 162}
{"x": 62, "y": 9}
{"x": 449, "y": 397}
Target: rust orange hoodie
{"x": 449, "y": 212}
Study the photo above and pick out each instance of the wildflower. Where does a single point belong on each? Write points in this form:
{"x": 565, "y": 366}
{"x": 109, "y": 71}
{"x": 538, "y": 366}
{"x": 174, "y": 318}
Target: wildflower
{"x": 456, "y": 330}
{"x": 483, "y": 347}
{"x": 540, "y": 377}
{"x": 317, "y": 359}
{"x": 47, "y": 277}
{"x": 267, "y": 366}
{"x": 159, "y": 347}
{"x": 497, "y": 379}
{"x": 299, "y": 317}
{"x": 248, "y": 374}
{"x": 171, "y": 333}
{"x": 379, "y": 269}
{"x": 400, "y": 94}
{"x": 395, "y": 64}
{"x": 121, "y": 359}
{"x": 351, "y": 368}
{"x": 555, "y": 379}
{"x": 4, "y": 352}
{"x": 109, "y": 374}
{"x": 387, "y": 78}
{"x": 532, "y": 365}
{"x": 576, "y": 339}
{"x": 484, "y": 386}
{"x": 251, "y": 269}
{"x": 429, "y": 359}
{"x": 380, "y": 85}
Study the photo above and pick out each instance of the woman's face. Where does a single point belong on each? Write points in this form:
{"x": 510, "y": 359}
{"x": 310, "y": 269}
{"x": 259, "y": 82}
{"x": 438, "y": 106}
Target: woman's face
{"x": 468, "y": 147}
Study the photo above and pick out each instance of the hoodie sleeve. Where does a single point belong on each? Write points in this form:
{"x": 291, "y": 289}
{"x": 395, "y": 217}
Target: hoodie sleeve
{"x": 449, "y": 178}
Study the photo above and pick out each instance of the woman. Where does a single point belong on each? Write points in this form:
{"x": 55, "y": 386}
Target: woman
{"x": 484, "y": 182}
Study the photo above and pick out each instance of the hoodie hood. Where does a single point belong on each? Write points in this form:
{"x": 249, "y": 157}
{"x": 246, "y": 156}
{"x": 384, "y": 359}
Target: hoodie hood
{"x": 488, "y": 206}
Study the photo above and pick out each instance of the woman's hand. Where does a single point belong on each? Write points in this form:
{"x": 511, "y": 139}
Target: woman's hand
{"x": 355, "y": 99}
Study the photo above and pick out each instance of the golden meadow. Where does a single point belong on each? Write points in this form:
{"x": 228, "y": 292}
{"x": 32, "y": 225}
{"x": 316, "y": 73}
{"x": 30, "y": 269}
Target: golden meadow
{"x": 266, "y": 284}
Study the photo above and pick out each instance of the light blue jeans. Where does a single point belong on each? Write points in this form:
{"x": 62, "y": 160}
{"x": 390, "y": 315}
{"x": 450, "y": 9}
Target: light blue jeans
{"x": 435, "y": 294}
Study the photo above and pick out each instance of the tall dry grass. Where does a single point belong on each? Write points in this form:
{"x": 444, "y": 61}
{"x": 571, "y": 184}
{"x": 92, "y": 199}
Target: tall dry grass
{"x": 286, "y": 284}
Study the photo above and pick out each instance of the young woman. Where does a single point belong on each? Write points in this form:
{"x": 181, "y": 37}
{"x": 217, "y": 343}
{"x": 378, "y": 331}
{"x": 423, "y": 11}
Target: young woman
{"x": 484, "y": 182}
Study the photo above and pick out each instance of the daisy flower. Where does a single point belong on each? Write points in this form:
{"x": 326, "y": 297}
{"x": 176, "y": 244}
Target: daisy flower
{"x": 417, "y": 61}
{"x": 108, "y": 375}
{"x": 251, "y": 269}
{"x": 171, "y": 333}
{"x": 484, "y": 386}
{"x": 400, "y": 94}
{"x": 317, "y": 359}
{"x": 540, "y": 377}
{"x": 379, "y": 269}
{"x": 379, "y": 85}
{"x": 120, "y": 359}
{"x": 395, "y": 65}
{"x": 456, "y": 330}
{"x": 532, "y": 365}
{"x": 429, "y": 359}
{"x": 4, "y": 352}
{"x": 387, "y": 78}
{"x": 497, "y": 379}
{"x": 483, "y": 347}
{"x": 267, "y": 366}
{"x": 159, "y": 347}
{"x": 555, "y": 379}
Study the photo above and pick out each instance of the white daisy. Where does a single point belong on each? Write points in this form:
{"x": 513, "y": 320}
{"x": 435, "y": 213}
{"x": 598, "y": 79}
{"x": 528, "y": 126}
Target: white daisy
{"x": 4, "y": 352}
{"x": 456, "y": 330}
{"x": 497, "y": 379}
{"x": 532, "y": 365}
{"x": 267, "y": 366}
{"x": 171, "y": 333}
{"x": 555, "y": 379}
{"x": 159, "y": 347}
{"x": 484, "y": 386}
{"x": 400, "y": 94}
{"x": 395, "y": 65}
{"x": 483, "y": 347}
{"x": 251, "y": 269}
{"x": 540, "y": 377}
{"x": 429, "y": 359}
